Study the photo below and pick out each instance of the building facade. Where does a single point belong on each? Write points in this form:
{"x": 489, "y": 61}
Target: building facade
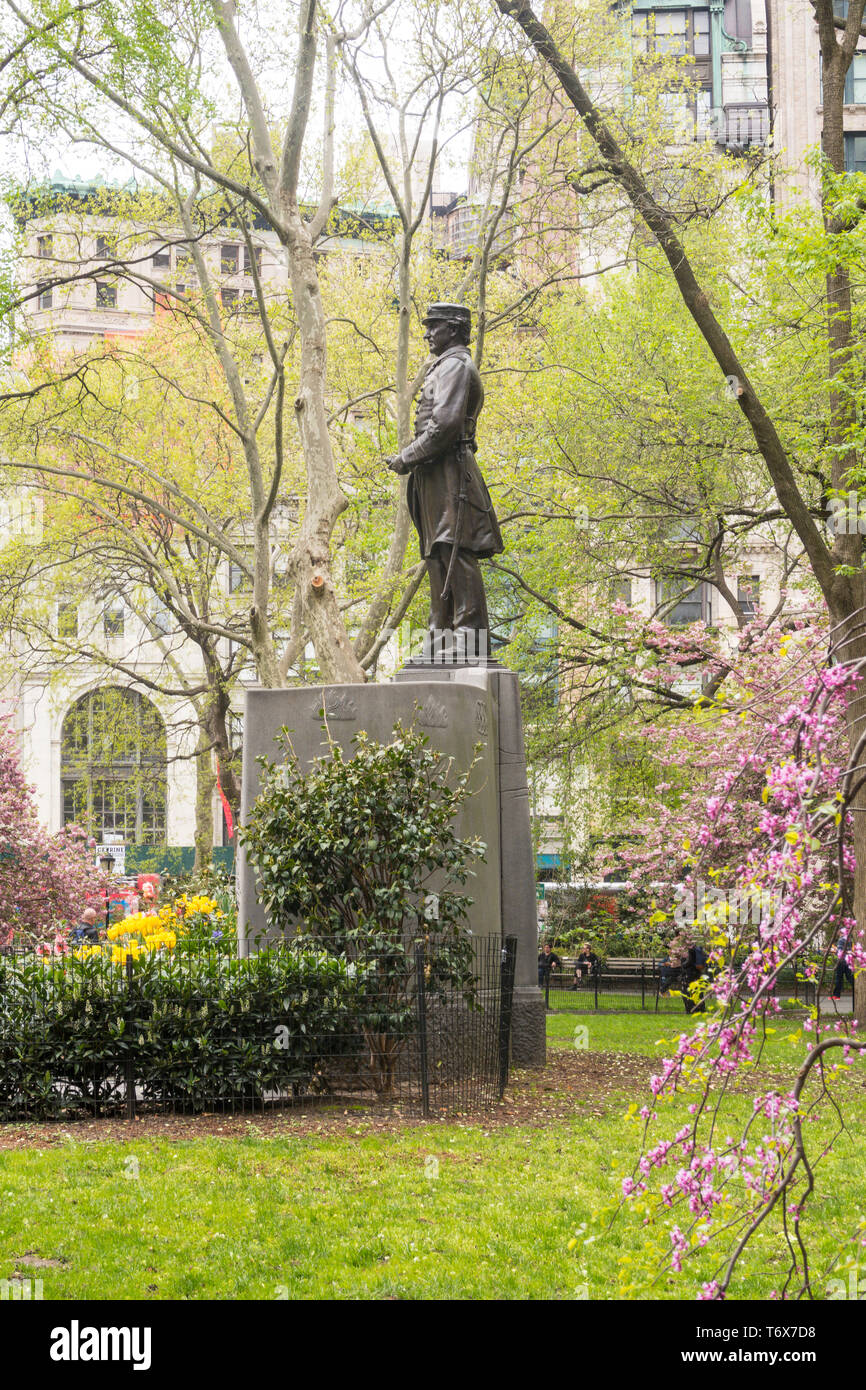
{"x": 756, "y": 73}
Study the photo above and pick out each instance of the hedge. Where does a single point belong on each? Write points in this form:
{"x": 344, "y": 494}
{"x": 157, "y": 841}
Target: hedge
{"x": 191, "y": 1032}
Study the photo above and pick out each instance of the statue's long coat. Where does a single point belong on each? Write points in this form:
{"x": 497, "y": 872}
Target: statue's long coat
{"x": 444, "y": 449}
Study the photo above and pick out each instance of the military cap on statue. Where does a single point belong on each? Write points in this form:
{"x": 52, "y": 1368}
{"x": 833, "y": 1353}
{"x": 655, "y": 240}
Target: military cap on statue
{"x": 453, "y": 313}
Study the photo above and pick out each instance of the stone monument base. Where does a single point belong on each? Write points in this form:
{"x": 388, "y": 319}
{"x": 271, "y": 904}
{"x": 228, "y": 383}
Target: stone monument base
{"x": 513, "y": 852}
{"x": 460, "y": 707}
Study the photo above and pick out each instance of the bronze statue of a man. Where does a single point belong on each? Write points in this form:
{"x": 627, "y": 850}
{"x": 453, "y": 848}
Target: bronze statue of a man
{"x": 447, "y": 496}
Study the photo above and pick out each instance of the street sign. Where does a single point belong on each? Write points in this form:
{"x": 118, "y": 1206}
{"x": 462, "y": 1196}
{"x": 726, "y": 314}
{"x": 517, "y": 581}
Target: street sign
{"x": 539, "y": 891}
{"x": 117, "y": 853}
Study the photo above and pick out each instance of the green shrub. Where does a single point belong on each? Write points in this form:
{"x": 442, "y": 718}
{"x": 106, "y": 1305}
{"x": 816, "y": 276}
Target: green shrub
{"x": 197, "y": 1031}
{"x": 347, "y": 854}
{"x": 622, "y": 928}
{"x": 63, "y": 1034}
{"x": 608, "y": 939}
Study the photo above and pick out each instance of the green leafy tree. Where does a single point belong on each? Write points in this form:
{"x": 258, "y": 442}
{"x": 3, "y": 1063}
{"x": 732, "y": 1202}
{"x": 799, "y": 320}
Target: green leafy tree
{"x": 630, "y": 165}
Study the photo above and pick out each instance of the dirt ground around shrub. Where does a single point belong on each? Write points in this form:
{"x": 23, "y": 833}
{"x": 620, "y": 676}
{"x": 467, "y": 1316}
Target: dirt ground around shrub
{"x": 572, "y": 1084}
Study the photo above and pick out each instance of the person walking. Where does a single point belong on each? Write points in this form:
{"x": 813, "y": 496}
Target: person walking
{"x": 87, "y": 928}
{"x": 843, "y": 970}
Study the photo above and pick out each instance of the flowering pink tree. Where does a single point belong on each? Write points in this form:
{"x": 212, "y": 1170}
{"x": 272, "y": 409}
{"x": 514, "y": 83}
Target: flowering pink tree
{"x": 711, "y": 758}
{"x": 779, "y": 822}
{"x": 45, "y": 880}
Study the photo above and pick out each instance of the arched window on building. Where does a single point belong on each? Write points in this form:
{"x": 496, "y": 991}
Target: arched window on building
{"x": 113, "y": 767}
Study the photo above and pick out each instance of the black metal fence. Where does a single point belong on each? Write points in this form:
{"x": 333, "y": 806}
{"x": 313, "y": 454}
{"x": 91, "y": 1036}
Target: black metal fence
{"x": 640, "y": 988}
{"x": 652, "y": 986}
{"x": 200, "y": 1030}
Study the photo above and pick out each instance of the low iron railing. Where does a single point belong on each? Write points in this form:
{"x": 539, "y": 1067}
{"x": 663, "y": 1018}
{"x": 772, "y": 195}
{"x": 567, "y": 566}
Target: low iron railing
{"x": 651, "y": 985}
{"x": 95, "y": 1033}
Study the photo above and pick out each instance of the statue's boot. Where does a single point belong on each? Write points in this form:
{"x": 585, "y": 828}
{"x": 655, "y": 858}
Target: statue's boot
{"x": 439, "y": 646}
{"x": 471, "y": 644}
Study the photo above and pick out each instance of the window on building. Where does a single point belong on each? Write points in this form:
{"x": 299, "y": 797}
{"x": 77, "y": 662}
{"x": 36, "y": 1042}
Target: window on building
{"x": 248, "y": 260}
{"x": 239, "y": 581}
{"x": 67, "y": 620}
{"x": 106, "y": 295}
{"x": 45, "y": 295}
{"x": 687, "y": 115}
{"x": 683, "y": 530}
{"x": 235, "y": 728}
{"x": 705, "y": 128}
{"x": 106, "y": 248}
{"x": 183, "y": 262}
{"x": 45, "y": 245}
{"x": 229, "y": 259}
{"x": 701, "y": 29}
{"x": 749, "y": 594}
{"x": 673, "y": 33}
{"x": 855, "y": 81}
{"x": 230, "y": 298}
{"x": 539, "y": 678}
{"x": 161, "y": 618}
{"x": 506, "y": 606}
{"x": 113, "y": 615}
{"x": 855, "y": 154}
{"x": 689, "y": 605}
{"x": 249, "y": 304}
{"x": 162, "y": 258}
{"x": 113, "y": 767}
{"x": 620, "y": 590}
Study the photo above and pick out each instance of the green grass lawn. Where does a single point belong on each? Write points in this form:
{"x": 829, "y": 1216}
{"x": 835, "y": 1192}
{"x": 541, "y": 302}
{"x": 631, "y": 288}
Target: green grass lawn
{"x": 447, "y": 1210}
{"x": 615, "y": 1032}
{"x": 648, "y": 1032}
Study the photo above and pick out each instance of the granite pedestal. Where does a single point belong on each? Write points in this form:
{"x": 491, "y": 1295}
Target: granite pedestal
{"x": 459, "y": 707}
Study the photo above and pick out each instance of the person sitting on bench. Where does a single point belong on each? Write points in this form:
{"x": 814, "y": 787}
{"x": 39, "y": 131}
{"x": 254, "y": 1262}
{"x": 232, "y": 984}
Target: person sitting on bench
{"x": 586, "y": 963}
{"x": 547, "y": 959}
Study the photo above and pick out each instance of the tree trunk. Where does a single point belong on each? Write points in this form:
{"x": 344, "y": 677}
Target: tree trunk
{"x": 846, "y": 600}
{"x": 382, "y": 602}
{"x": 216, "y": 724}
{"x": 311, "y": 556}
{"x": 204, "y": 788}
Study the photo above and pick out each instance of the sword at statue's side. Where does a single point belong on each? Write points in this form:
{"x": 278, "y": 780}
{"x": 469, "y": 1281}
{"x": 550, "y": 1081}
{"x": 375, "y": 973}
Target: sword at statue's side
{"x": 462, "y": 446}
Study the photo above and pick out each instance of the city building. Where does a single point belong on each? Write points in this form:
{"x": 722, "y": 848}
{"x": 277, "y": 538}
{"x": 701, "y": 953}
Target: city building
{"x": 755, "y": 69}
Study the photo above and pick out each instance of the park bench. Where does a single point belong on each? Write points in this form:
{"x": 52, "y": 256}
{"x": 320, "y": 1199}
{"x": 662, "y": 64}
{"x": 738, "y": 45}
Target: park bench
{"x": 618, "y": 968}
{"x": 626, "y": 974}
{"x": 649, "y": 980}
{"x": 632, "y": 967}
